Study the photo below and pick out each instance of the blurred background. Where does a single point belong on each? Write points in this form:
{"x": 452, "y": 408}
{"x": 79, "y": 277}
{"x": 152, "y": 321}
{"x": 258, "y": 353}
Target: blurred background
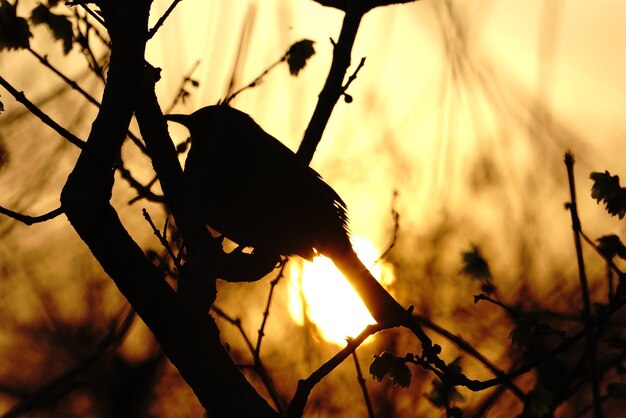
{"x": 461, "y": 117}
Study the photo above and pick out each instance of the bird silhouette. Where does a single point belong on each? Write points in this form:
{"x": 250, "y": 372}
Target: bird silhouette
{"x": 255, "y": 191}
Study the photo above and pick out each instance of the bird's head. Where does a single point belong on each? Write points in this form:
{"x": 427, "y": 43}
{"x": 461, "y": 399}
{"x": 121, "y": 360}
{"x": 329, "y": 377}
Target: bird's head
{"x": 208, "y": 119}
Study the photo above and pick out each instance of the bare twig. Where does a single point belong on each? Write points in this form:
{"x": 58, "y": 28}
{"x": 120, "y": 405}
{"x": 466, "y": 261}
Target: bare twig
{"x": 82, "y": 39}
{"x": 96, "y": 31}
{"x": 353, "y": 76}
{"x": 486, "y": 405}
{"x": 266, "y": 312}
{"x": 258, "y": 80}
{"x": 144, "y": 192}
{"x": 363, "y": 386}
{"x": 85, "y": 6}
{"x": 597, "y": 249}
{"x": 459, "y": 379}
{"x": 396, "y": 228}
{"x": 162, "y": 238}
{"x": 258, "y": 367}
{"x": 29, "y": 220}
{"x": 182, "y": 93}
{"x": 469, "y": 349}
{"x": 162, "y": 19}
{"x": 20, "y": 97}
{"x": 299, "y": 400}
{"x": 253, "y": 83}
{"x": 584, "y": 286}
{"x": 44, "y": 61}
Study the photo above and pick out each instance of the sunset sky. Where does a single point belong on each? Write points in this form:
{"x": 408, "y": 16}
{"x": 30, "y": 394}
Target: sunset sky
{"x": 461, "y": 116}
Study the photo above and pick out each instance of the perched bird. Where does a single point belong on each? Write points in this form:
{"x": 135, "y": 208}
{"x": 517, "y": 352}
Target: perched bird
{"x": 258, "y": 193}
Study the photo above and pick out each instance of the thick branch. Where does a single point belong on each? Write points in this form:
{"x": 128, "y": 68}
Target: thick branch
{"x": 189, "y": 339}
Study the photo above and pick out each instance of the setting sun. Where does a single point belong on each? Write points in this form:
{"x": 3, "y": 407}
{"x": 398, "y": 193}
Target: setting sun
{"x": 320, "y": 291}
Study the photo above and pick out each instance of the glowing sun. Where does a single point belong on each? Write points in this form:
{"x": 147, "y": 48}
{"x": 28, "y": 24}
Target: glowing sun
{"x": 319, "y": 291}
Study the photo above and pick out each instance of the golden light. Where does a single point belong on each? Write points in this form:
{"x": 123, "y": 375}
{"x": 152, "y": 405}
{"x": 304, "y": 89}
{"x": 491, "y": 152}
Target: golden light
{"x": 321, "y": 294}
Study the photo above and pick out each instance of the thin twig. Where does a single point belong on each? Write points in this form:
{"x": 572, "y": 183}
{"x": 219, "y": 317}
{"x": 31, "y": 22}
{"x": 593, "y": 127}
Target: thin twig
{"x": 396, "y": 228}
{"x": 182, "y": 93}
{"x": 162, "y": 238}
{"x": 266, "y": 312}
{"x": 85, "y": 6}
{"x": 93, "y": 29}
{"x": 144, "y": 192}
{"x": 469, "y": 349}
{"x": 584, "y": 286}
{"x": 162, "y": 19}
{"x": 258, "y": 367}
{"x": 94, "y": 15}
{"x": 44, "y": 61}
{"x": 597, "y": 249}
{"x": 20, "y": 97}
{"x": 363, "y": 386}
{"x": 254, "y": 82}
{"x": 515, "y": 314}
{"x": 353, "y": 75}
{"x": 83, "y": 42}
{"x": 236, "y": 322}
{"x": 486, "y": 405}
{"x": 299, "y": 400}
{"x": 582, "y": 275}
{"x": 566, "y": 344}
{"x": 29, "y": 220}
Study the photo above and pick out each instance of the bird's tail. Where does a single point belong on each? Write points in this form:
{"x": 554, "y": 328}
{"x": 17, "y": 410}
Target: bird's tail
{"x": 381, "y": 305}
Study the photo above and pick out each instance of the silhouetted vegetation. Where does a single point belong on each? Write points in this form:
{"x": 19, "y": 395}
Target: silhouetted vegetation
{"x": 74, "y": 359}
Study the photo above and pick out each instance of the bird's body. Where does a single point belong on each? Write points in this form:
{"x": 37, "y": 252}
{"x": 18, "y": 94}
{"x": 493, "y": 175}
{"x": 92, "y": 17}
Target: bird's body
{"x": 258, "y": 193}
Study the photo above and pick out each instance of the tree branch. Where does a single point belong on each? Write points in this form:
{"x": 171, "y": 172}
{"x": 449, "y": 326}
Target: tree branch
{"x": 296, "y": 407}
{"x": 332, "y": 90}
{"x": 29, "y": 220}
{"x": 20, "y": 97}
{"x": 584, "y": 287}
{"x": 189, "y": 338}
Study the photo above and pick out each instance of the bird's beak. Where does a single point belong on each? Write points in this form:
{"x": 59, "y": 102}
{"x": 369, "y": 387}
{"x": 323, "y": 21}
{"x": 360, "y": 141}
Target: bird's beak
{"x": 182, "y": 119}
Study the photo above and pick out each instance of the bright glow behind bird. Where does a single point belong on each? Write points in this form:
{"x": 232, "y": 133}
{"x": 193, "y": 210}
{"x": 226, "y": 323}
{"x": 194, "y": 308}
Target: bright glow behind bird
{"x": 329, "y": 300}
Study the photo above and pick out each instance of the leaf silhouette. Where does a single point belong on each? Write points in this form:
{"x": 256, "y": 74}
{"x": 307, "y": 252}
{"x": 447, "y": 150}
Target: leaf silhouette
{"x": 474, "y": 265}
{"x": 298, "y": 55}
{"x": 606, "y": 188}
{"x": 14, "y": 30}
{"x": 442, "y": 395}
{"x": 59, "y": 25}
{"x": 391, "y": 366}
{"x": 611, "y": 246}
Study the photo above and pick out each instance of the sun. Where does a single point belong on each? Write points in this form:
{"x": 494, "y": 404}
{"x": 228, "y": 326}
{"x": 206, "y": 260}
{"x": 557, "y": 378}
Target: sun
{"x": 318, "y": 290}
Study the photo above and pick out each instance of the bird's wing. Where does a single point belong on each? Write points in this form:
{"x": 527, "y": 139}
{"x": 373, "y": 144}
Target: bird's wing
{"x": 298, "y": 210}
